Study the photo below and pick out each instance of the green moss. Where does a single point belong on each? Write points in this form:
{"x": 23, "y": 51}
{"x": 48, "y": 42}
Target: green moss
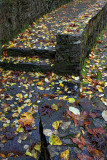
{"x": 99, "y": 75}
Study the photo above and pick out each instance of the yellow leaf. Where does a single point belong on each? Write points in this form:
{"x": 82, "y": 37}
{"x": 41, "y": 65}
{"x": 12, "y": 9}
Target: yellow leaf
{"x": 77, "y": 135}
{"x": 56, "y": 124}
{"x": 15, "y": 115}
{"x": 90, "y": 97}
{"x": 20, "y": 129}
{"x": 11, "y": 45}
{"x": 5, "y": 124}
{"x": 54, "y": 140}
{"x": 19, "y": 95}
{"x": 26, "y": 95}
{"x": 66, "y": 89}
{"x": 35, "y": 155}
{"x": 28, "y": 154}
{"x": 65, "y": 155}
{"x": 39, "y": 83}
{"x": 64, "y": 97}
{"x": 99, "y": 88}
{"x": 37, "y": 147}
{"x": 83, "y": 132}
{"x": 41, "y": 88}
{"x": 61, "y": 85}
{"x": 54, "y": 106}
{"x": 71, "y": 100}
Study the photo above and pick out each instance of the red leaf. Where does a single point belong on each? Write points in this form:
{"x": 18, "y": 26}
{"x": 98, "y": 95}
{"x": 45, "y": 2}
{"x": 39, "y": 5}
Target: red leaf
{"x": 83, "y": 156}
{"x": 72, "y": 25}
{"x": 95, "y": 131}
{"x": 98, "y": 41}
{"x": 80, "y": 142}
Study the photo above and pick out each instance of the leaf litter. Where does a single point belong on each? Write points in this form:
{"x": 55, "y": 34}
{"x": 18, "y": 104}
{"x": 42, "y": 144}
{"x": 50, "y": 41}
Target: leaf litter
{"x": 27, "y": 82}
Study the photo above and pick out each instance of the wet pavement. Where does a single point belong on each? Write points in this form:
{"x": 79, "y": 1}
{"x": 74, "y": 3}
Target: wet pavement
{"x": 49, "y": 116}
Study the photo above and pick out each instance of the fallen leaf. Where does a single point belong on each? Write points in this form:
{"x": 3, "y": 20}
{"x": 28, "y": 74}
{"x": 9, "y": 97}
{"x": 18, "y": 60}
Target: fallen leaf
{"x": 80, "y": 142}
{"x": 2, "y": 155}
{"x": 74, "y": 110}
{"x": 71, "y": 100}
{"x": 95, "y": 131}
{"x": 54, "y": 106}
{"x": 26, "y": 119}
{"x": 65, "y": 155}
{"x": 104, "y": 115}
{"x": 54, "y": 140}
{"x": 37, "y": 147}
{"x": 83, "y": 156}
{"x": 56, "y": 124}
{"x": 19, "y": 95}
{"x": 96, "y": 154}
{"x": 47, "y": 132}
{"x": 28, "y": 154}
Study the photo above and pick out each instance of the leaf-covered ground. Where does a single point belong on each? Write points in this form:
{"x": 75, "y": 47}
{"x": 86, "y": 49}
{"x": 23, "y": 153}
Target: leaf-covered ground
{"x": 69, "y": 120}
{"x": 73, "y": 117}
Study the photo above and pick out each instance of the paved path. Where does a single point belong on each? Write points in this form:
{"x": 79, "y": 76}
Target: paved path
{"x": 42, "y": 33}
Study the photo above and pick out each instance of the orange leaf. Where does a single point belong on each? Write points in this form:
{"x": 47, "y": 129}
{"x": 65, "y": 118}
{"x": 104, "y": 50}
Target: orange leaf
{"x": 2, "y": 155}
{"x": 26, "y": 119}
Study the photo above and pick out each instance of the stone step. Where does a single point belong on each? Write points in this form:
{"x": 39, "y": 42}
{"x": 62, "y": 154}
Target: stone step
{"x": 43, "y": 53}
{"x": 27, "y": 64}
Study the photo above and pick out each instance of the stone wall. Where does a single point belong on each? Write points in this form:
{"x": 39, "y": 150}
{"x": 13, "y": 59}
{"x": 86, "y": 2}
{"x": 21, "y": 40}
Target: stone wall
{"x": 72, "y": 49}
{"x": 15, "y": 15}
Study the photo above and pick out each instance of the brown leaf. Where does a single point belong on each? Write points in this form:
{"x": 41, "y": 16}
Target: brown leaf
{"x": 96, "y": 154}
{"x": 92, "y": 115}
{"x": 60, "y": 104}
{"x": 83, "y": 156}
{"x": 87, "y": 122}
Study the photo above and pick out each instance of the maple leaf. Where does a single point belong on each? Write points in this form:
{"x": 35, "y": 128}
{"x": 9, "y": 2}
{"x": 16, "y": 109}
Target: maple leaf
{"x": 78, "y": 119}
{"x": 83, "y": 156}
{"x": 96, "y": 154}
{"x": 80, "y": 142}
